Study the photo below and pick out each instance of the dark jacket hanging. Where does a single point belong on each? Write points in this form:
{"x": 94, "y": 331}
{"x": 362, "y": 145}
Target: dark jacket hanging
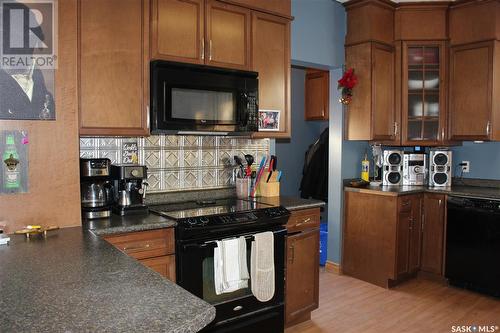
{"x": 314, "y": 182}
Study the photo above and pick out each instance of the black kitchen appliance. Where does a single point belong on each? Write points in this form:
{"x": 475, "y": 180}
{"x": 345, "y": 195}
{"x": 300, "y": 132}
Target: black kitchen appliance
{"x": 199, "y": 226}
{"x": 130, "y": 188}
{"x": 195, "y": 99}
{"x": 473, "y": 244}
{"x": 96, "y": 189}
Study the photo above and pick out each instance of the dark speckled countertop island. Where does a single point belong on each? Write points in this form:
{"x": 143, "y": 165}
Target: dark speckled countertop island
{"x": 73, "y": 281}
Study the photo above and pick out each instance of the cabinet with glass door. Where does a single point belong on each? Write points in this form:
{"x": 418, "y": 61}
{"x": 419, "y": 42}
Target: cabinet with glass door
{"x": 423, "y": 93}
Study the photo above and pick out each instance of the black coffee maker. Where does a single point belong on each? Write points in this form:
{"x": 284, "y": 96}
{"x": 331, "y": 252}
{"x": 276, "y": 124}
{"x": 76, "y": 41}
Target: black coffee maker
{"x": 130, "y": 188}
{"x": 96, "y": 188}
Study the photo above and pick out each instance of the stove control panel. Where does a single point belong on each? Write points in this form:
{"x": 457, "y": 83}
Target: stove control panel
{"x": 234, "y": 218}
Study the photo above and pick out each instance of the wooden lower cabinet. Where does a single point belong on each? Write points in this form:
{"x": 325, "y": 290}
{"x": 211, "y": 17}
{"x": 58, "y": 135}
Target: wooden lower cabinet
{"x": 382, "y": 236}
{"x": 389, "y": 238}
{"x": 302, "y": 267}
{"x": 409, "y": 234}
{"x": 164, "y": 265}
{"x": 154, "y": 249}
{"x": 433, "y": 225}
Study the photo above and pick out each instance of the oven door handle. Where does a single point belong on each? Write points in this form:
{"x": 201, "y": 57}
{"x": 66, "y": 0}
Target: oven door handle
{"x": 199, "y": 246}
{"x": 212, "y": 243}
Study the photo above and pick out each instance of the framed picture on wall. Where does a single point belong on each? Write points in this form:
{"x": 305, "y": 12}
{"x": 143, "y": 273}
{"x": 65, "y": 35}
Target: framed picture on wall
{"x": 269, "y": 120}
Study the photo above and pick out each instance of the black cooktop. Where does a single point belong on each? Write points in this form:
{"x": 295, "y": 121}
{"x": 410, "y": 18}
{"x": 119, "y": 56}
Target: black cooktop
{"x": 220, "y": 214}
{"x": 190, "y": 209}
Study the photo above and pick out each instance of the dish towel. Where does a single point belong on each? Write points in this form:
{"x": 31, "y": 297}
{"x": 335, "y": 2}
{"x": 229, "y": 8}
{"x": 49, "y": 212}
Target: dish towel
{"x": 230, "y": 265}
{"x": 262, "y": 266}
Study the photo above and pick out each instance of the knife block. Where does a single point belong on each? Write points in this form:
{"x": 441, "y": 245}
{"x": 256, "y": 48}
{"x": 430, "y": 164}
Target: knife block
{"x": 271, "y": 189}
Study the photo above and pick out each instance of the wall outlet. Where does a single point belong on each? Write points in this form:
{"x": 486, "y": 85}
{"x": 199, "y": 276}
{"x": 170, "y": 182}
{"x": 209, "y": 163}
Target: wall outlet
{"x": 466, "y": 167}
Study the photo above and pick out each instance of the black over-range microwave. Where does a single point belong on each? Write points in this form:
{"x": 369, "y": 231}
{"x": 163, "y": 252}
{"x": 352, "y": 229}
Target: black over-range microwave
{"x": 196, "y": 99}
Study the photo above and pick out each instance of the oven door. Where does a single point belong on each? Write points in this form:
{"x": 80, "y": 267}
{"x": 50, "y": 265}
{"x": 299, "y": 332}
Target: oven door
{"x": 195, "y": 273}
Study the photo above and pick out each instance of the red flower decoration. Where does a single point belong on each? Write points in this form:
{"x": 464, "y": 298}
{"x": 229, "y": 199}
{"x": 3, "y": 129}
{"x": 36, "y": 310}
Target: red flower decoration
{"x": 348, "y": 80}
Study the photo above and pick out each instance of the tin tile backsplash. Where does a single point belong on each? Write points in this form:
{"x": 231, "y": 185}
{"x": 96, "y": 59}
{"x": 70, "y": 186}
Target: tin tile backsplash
{"x": 177, "y": 163}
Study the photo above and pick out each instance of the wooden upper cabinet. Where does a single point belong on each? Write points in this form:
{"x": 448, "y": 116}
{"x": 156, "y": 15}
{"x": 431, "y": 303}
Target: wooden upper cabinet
{"x": 228, "y": 35}
{"x": 113, "y": 67}
{"x": 271, "y": 59}
{"x": 421, "y": 21}
{"x": 423, "y": 92}
{"x": 474, "y": 21}
{"x": 433, "y": 233}
{"x": 177, "y": 30}
{"x": 369, "y": 21}
{"x": 302, "y": 275}
{"x": 475, "y": 91}
{"x": 277, "y": 7}
{"x": 372, "y": 114}
{"x": 317, "y": 91}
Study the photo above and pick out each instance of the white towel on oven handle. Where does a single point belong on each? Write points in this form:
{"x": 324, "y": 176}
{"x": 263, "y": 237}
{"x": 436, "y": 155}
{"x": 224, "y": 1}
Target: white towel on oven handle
{"x": 262, "y": 266}
{"x": 230, "y": 265}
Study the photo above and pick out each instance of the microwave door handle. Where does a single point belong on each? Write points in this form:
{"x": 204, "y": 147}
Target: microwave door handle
{"x": 245, "y": 106}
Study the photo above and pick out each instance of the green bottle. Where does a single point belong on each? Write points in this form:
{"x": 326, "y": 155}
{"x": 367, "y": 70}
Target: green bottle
{"x": 12, "y": 174}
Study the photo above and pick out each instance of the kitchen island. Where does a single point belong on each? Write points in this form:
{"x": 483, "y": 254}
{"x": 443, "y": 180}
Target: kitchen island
{"x": 74, "y": 281}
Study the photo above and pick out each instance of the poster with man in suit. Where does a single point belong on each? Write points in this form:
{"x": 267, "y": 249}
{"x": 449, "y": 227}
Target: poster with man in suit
{"x": 28, "y": 60}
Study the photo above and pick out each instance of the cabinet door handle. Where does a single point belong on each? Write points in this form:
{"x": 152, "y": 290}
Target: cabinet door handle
{"x": 202, "y": 49}
{"x": 442, "y": 134}
{"x": 411, "y": 223}
{"x": 488, "y": 128}
{"x": 423, "y": 222}
{"x": 439, "y": 202}
{"x": 136, "y": 247}
{"x": 303, "y": 222}
{"x": 210, "y": 50}
{"x": 395, "y": 128}
{"x": 292, "y": 257}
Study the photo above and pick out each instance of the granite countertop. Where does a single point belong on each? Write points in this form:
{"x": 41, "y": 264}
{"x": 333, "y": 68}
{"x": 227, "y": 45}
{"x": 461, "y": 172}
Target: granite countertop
{"x": 121, "y": 224}
{"x": 459, "y": 190}
{"x": 73, "y": 281}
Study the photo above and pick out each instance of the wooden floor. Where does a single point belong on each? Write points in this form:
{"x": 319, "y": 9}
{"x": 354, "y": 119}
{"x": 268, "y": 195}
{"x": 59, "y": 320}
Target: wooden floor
{"x": 351, "y": 305}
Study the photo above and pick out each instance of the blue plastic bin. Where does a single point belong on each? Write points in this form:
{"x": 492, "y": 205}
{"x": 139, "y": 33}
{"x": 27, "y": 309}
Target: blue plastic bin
{"x": 323, "y": 243}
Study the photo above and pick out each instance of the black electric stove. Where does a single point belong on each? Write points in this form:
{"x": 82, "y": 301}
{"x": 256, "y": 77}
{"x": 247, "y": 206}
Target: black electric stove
{"x": 196, "y": 219}
{"x": 199, "y": 226}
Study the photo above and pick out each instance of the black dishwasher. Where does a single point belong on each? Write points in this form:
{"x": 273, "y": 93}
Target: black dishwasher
{"x": 473, "y": 244}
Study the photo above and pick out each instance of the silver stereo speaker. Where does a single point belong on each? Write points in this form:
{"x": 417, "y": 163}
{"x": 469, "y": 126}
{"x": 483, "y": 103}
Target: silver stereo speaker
{"x": 414, "y": 169}
{"x": 392, "y": 168}
{"x": 440, "y": 168}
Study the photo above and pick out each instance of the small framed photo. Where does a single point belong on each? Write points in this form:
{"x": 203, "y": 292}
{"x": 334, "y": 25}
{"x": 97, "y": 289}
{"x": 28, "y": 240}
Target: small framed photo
{"x": 269, "y": 120}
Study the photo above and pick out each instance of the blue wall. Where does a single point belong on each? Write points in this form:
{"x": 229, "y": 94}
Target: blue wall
{"x": 318, "y": 33}
{"x": 345, "y": 162}
{"x": 304, "y": 133}
{"x": 484, "y": 159}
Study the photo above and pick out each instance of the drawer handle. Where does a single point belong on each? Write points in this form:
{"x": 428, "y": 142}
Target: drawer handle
{"x": 406, "y": 203}
{"x": 303, "y": 221}
{"x": 136, "y": 247}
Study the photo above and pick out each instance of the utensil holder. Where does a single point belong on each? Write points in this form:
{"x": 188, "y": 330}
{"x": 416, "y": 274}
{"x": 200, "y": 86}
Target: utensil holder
{"x": 243, "y": 186}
